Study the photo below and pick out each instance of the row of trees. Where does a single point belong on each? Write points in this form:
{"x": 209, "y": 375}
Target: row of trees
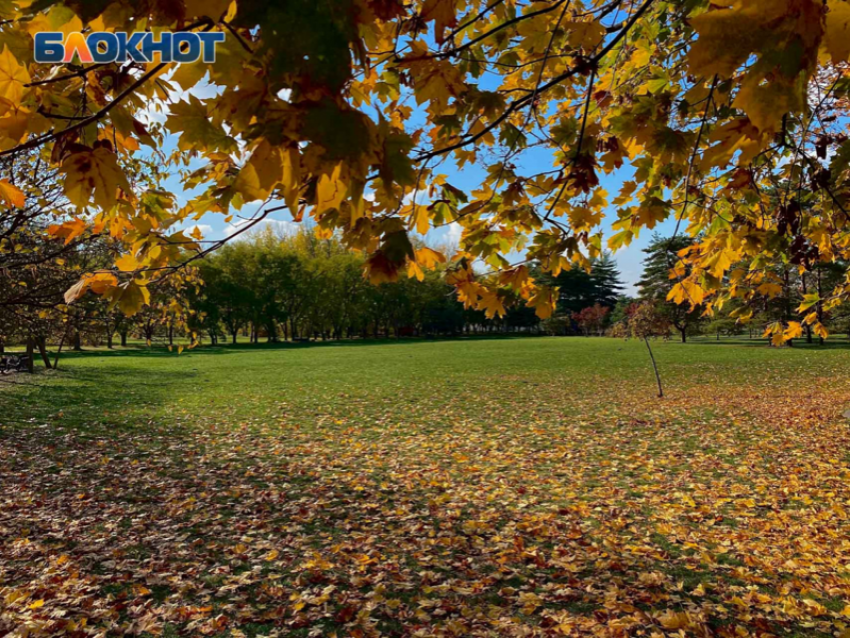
{"x": 278, "y": 286}
{"x": 297, "y": 287}
{"x": 593, "y": 304}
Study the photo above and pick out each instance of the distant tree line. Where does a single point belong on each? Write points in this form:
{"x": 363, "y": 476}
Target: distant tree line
{"x": 295, "y": 287}
{"x": 277, "y": 287}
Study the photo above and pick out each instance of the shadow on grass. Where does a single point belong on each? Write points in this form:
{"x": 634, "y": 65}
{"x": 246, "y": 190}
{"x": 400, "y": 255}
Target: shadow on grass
{"x": 240, "y": 348}
{"x": 89, "y": 398}
{"x": 833, "y": 343}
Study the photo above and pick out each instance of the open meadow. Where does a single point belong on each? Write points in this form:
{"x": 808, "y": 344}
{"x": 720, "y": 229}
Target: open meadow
{"x": 502, "y": 487}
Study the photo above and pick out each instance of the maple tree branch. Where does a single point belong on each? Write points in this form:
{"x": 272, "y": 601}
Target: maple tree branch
{"x": 579, "y": 144}
{"x": 96, "y": 117}
{"x": 480, "y": 15}
{"x": 57, "y": 116}
{"x": 261, "y": 215}
{"x": 496, "y": 29}
{"x": 68, "y": 76}
{"x": 702, "y": 126}
{"x": 519, "y": 102}
{"x": 805, "y": 133}
{"x": 533, "y": 96}
{"x": 238, "y": 37}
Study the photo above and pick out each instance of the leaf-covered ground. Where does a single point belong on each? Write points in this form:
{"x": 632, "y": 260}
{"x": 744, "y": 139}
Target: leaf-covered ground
{"x": 528, "y": 487}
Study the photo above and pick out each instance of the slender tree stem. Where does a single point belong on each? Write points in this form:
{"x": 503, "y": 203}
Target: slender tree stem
{"x": 59, "y": 350}
{"x": 655, "y": 368}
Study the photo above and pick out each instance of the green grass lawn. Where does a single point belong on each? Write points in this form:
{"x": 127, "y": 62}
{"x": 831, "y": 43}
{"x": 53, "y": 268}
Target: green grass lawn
{"x": 489, "y": 487}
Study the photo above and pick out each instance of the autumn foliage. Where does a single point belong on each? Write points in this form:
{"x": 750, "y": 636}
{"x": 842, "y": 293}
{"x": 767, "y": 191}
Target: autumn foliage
{"x": 729, "y": 117}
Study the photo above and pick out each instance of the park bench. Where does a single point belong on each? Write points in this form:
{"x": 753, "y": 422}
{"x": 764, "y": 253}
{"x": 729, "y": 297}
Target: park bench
{"x": 14, "y": 363}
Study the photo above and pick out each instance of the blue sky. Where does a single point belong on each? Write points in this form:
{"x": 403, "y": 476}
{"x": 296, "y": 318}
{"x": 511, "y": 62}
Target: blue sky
{"x": 629, "y": 260}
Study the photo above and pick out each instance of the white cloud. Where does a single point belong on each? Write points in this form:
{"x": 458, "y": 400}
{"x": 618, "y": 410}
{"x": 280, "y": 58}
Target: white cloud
{"x": 454, "y": 232}
{"x": 421, "y": 197}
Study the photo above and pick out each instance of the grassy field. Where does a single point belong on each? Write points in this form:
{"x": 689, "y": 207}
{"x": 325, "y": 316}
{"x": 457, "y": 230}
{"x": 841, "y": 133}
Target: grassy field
{"x": 513, "y": 487}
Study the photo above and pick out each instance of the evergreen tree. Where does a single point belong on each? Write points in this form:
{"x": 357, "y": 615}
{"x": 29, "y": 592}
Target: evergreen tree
{"x": 607, "y": 287}
{"x": 580, "y": 289}
{"x": 655, "y": 283}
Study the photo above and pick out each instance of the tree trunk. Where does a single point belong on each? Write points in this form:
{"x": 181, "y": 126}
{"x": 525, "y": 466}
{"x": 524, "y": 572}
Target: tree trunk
{"x": 77, "y": 341}
{"x": 59, "y": 349}
{"x": 30, "y": 367}
{"x": 787, "y": 304}
{"x": 820, "y": 304}
{"x": 683, "y": 332}
{"x": 123, "y": 339}
{"x": 109, "y": 339}
{"x": 233, "y": 336}
{"x": 654, "y": 368}
{"x": 42, "y": 350}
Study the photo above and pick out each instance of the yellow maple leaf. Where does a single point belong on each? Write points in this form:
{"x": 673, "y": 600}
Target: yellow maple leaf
{"x": 70, "y": 230}
{"x": 127, "y": 263}
{"x": 516, "y": 278}
{"x": 58, "y": 19}
{"x": 585, "y": 34}
{"x": 128, "y": 297}
{"x": 13, "y": 77}
{"x": 429, "y": 258}
{"x": 98, "y": 283}
{"x": 442, "y": 12}
{"x": 544, "y": 301}
{"x": 10, "y": 195}
{"x": 94, "y": 177}
{"x": 769, "y": 289}
{"x": 793, "y": 330}
{"x": 197, "y": 130}
{"x": 261, "y": 173}
{"x": 330, "y": 190}
{"x": 838, "y": 30}
{"x": 189, "y": 74}
{"x": 419, "y": 218}
{"x": 413, "y": 270}
{"x": 686, "y": 291}
{"x": 491, "y": 304}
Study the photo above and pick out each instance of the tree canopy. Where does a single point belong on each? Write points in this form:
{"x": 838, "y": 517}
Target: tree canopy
{"x": 729, "y": 117}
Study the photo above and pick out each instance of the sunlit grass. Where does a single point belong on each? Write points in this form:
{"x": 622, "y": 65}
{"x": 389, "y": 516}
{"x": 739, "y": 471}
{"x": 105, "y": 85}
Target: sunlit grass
{"x": 469, "y": 487}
